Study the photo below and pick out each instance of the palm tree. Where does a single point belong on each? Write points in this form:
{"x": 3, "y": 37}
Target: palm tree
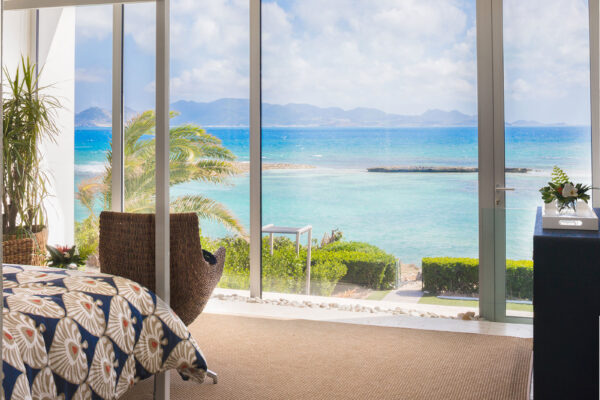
{"x": 195, "y": 156}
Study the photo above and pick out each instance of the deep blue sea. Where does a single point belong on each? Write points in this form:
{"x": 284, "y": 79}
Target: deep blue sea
{"x": 411, "y": 215}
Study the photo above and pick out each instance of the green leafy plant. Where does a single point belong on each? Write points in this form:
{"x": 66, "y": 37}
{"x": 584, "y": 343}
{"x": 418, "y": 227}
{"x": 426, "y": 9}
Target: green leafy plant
{"x": 64, "y": 257}
{"x": 562, "y": 190}
{"x": 28, "y": 118}
{"x": 195, "y": 156}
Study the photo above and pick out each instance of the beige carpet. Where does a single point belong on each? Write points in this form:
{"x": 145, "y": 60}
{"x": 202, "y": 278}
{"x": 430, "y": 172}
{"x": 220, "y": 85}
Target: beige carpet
{"x": 297, "y": 359}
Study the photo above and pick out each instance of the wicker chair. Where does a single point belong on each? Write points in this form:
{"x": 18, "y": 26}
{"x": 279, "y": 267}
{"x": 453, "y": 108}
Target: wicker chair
{"x": 127, "y": 249}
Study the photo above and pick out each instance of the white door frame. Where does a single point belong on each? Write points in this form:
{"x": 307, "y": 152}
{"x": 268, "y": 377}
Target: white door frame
{"x": 594, "y": 26}
{"x": 118, "y": 114}
{"x": 490, "y": 100}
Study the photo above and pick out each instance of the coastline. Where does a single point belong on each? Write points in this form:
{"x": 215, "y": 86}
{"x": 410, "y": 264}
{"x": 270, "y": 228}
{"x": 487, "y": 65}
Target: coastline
{"x": 441, "y": 169}
{"x": 244, "y": 166}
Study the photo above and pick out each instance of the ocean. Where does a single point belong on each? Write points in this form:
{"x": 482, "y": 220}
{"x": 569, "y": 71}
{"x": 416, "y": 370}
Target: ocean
{"x": 410, "y": 215}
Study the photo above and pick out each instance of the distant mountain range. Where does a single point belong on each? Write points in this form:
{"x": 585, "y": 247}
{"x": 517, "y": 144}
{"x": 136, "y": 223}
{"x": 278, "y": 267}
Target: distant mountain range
{"x": 235, "y": 112}
{"x": 98, "y": 117}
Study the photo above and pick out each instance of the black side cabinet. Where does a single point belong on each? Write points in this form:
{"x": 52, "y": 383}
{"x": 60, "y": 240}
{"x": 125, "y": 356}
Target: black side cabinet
{"x": 566, "y": 304}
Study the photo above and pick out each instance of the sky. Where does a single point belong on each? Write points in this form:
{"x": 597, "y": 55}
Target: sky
{"x": 399, "y": 56}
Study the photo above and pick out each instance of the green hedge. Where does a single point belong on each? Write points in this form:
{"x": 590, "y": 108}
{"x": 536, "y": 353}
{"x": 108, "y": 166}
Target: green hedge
{"x": 352, "y": 262}
{"x": 367, "y": 265}
{"x": 283, "y": 271}
{"x": 461, "y": 275}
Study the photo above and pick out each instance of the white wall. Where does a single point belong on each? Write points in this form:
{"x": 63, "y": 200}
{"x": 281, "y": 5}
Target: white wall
{"x": 56, "y": 44}
{"x": 56, "y": 50}
{"x": 16, "y": 40}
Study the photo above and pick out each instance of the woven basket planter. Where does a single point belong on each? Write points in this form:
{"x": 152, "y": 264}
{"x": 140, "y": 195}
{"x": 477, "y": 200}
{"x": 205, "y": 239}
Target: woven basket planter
{"x": 31, "y": 250}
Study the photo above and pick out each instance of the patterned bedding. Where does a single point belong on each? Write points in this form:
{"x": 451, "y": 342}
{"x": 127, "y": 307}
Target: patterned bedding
{"x": 69, "y": 334}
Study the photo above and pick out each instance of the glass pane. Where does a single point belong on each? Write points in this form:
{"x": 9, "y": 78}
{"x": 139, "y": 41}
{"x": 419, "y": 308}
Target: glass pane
{"x": 370, "y": 138}
{"x": 93, "y": 124}
{"x": 547, "y": 95}
{"x": 209, "y": 93}
{"x": 139, "y": 72}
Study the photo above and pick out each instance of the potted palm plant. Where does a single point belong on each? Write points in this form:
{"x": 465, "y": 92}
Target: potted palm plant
{"x": 28, "y": 118}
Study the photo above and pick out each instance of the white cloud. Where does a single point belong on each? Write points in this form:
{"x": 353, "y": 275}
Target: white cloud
{"x": 403, "y": 56}
{"x": 400, "y": 56}
{"x": 546, "y": 59}
{"x": 91, "y": 75}
{"x": 94, "y": 22}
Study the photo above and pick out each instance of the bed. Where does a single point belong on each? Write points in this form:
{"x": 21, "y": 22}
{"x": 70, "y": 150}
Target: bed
{"x": 69, "y": 334}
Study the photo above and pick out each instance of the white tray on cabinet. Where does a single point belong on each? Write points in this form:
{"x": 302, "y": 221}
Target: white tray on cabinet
{"x": 585, "y": 219}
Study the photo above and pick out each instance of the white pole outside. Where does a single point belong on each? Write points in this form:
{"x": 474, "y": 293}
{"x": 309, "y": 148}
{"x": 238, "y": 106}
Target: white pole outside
{"x": 255, "y": 152}
{"x": 308, "y": 256}
{"x": 162, "y": 169}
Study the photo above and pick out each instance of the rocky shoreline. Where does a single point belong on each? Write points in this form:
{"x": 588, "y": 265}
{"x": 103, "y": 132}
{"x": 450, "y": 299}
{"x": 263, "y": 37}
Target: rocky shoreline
{"x": 332, "y": 305}
{"x": 440, "y": 169}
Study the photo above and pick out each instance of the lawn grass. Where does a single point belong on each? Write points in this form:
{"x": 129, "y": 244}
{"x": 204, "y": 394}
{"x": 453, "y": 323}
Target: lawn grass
{"x": 470, "y": 303}
{"x": 378, "y": 294}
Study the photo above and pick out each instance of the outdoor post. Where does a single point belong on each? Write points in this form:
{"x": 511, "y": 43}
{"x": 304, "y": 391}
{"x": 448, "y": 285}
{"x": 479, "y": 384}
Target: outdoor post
{"x": 162, "y": 380}
{"x": 308, "y": 262}
{"x": 297, "y": 243}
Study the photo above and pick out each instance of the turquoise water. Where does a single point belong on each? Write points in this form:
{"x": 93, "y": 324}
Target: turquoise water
{"x": 411, "y": 215}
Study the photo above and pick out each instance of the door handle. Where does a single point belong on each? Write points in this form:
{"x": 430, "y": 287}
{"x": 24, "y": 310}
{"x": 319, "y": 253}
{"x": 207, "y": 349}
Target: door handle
{"x": 500, "y": 189}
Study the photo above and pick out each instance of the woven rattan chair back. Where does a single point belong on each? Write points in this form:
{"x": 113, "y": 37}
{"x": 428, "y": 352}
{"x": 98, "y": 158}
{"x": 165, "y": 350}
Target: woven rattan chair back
{"x": 127, "y": 243}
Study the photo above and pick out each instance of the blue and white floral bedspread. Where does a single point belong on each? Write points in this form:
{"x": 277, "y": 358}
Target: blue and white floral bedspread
{"x": 69, "y": 334}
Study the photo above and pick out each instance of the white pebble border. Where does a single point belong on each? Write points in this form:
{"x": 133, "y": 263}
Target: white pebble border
{"x": 468, "y": 316}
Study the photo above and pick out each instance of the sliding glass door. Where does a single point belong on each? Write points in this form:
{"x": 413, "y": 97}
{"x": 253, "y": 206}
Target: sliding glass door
{"x": 547, "y": 114}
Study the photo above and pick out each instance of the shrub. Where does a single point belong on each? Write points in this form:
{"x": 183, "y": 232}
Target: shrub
{"x": 461, "y": 275}
{"x": 236, "y": 272}
{"x": 86, "y": 237}
{"x": 519, "y": 279}
{"x": 367, "y": 265}
{"x": 283, "y": 272}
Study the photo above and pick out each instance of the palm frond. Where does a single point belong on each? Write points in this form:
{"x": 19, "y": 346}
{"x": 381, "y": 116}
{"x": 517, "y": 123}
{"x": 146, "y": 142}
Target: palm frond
{"x": 208, "y": 209}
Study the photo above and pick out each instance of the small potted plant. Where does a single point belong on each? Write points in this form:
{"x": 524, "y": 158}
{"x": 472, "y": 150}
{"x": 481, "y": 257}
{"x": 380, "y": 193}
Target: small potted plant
{"x": 64, "y": 257}
{"x": 564, "y": 192}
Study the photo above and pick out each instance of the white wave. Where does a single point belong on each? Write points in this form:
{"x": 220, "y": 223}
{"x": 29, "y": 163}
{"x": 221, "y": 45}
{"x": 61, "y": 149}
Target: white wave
{"x": 92, "y": 168}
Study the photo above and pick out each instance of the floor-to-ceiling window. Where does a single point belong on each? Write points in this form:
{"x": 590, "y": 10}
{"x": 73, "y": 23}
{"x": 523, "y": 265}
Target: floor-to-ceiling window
{"x": 209, "y": 101}
{"x": 209, "y": 95}
{"x": 369, "y": 136}
{"x": 93, "y": 121}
